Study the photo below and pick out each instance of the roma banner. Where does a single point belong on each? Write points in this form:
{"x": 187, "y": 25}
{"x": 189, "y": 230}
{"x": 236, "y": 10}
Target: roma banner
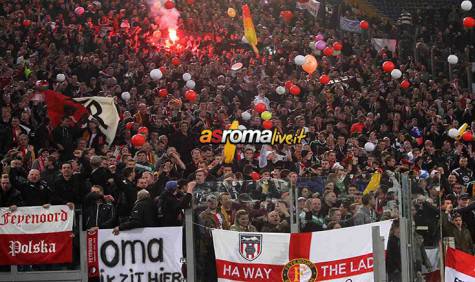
{"x": 102, "y": 110}
{"x": 336, "y": 255}
{"x": 459, "y": 266}
{"x": 143, "y": 254}
{"x": 35, "y": 235}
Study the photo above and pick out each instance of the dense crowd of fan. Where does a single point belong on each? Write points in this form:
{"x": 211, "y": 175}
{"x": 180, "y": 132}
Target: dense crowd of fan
{"x": 111, "y": 49}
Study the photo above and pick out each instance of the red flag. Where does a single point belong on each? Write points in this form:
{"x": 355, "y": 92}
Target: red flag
{"x": 60, "y": 106}
{"x": 459, "y": 266}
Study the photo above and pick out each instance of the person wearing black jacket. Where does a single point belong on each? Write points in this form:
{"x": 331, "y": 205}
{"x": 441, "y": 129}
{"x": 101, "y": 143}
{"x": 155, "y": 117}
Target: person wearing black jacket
{"x": 98, "y": 213}
{"x": 143, "y": 214}
{"x": 126, "y": 194}
{"x": 35, "y": 192}
{"x": 393, "y": 257}
{"x": 9, "y": 196}
{"x": 172, "y": 202}
{"x": 68, "y": 188}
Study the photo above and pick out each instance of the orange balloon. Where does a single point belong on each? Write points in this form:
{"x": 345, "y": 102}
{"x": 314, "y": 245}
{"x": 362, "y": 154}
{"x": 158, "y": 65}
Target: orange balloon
{"x": 310, "y": 64}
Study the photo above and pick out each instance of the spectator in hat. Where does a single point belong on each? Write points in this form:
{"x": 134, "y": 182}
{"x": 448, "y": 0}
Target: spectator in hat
{"x": 98, "y": 212}
{"x": 173, "y": 201}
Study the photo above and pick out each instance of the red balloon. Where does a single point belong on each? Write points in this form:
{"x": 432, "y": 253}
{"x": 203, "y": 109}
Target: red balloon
{"x": 137, "y": 140}
{"x": 337, "y": 46}
{"x": 324, "y": 79}
{"x": 255, "y": 176}
{"x": 287, "y": 15}
{"x": 364, "y": 25}
{"x": 129, "y": 125}
{"x": 288, "y": 84}
{"x": 26, "y": 23}
{"x": 142, "y": 130}
{"x": 163, "y": 92}
{"x": 388, "y": 66}
{"x": 260, "y": 107}
{"x": 295, "y": 90}
{"x": 267, "y": 124}
{"x": 328, "y": 51}
{"x": 176, "y": 61}
{"x": 467, "y": 136}
{"x": 190, "y": 95}
{"x": 468, "y": 22}
{"x": 405, "y": 84}
{"x": 169, "y": 5}
{"x": 190, "y": 2}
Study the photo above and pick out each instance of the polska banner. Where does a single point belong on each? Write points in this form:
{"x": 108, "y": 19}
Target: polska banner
{"x": 337, "y": 255}
{"x": 459, "y": 266}
{"x": 311, "y": 6}
{"x": 102, "y": 110}
{"x": 144, "y": 254}
{"x": 35, "y": 235}
{"x": 350, "y": 25}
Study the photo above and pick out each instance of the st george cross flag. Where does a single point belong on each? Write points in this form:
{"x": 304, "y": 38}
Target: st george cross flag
{"x": 104, "y": 111}
{"x": 459, "y": 266}
{"x": 334, "y": 255}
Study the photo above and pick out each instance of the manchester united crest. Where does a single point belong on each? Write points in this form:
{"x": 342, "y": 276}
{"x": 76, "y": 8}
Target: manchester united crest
{"x": 250, "y": 246}
{"x": 301, "y": 270}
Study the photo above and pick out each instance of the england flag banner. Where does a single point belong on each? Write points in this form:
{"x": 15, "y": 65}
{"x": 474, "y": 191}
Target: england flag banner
{"x": 35, "y": 235}
{"x": 459, "y": 266}
{"x": 143, "y": 254}
{"x": 335, "y": 255}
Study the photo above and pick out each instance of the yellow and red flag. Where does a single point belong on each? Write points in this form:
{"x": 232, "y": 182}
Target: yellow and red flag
{"x": 249, "y": 30}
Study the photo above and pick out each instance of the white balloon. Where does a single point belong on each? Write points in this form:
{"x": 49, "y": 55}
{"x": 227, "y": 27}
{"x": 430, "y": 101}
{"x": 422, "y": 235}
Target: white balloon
{"x": 242, "y": 127}
{"x": 299, "y": 60}
{"x": 369, "y": 147}
{"x": 125, "y": 96}
{"x": 452, "y": 59}
{"x": 466, "y": 5}
{"x": 244, "y": 39}
{"x": 311, "y": 45}
{"x": 396, "y": 74}
{"x": 280, "y": 90}
{"x": 60, "y": 77}
{"x": 156, "y": 74}
{"x": 186, "y": 76}
{"x": 246, "y": 116}
{"x": 190, "y": 84}
{"x": 453, "y": 133}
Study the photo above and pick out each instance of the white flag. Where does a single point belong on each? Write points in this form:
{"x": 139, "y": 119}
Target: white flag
{"x": 350, "y": 25}
{"x": 380, "y": 43}
{"x": 103, "y": 110}
{"x": 311, "y": 6}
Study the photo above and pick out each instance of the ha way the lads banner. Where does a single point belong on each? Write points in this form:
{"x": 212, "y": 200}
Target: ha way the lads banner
{"x": 35, "y": 235}
{"x": 335, "y": 255}
{"x": 144, "y": 254}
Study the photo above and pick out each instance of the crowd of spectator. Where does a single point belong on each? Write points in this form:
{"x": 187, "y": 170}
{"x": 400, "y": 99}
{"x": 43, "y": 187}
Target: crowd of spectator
{"x": 112, "y": 47}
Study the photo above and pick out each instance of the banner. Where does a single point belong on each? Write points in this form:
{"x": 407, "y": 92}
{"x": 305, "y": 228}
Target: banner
{"x": 60, "y": 106}
{"x": 311, "y": 6}
{"x": 338, "y": 255}
{"x": 35, "y": 235}
{"x": 103, "y": 110}
{"x": 144, "y": 254}
{"x": 380, "y": 43}
{"x": 459, "y": 266}
{"x": 350, "y": 25}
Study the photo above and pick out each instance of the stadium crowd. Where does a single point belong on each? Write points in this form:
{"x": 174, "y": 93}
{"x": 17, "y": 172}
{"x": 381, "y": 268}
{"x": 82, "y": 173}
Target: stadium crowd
{"x": 112, "y": 47}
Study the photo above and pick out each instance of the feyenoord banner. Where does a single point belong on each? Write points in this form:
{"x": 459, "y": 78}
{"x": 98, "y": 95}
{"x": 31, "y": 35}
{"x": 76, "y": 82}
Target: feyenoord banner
{"x": 459, "y": 266}
{"x": 336, "y": 255}
{"x": 144, "y": 254}
{"x": 35, "y": 235}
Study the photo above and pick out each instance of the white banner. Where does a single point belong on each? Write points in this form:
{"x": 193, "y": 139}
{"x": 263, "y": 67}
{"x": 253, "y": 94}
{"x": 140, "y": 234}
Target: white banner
{"x": 334, "y": 255}
{"x": 33, "y": 220}
{"x": 380, "y": 43}
{"x": 144, "y": 254}
{"x": 311, "y": 6}
{"x": 350, "y": 25}
{"x": 103, "y": 110}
